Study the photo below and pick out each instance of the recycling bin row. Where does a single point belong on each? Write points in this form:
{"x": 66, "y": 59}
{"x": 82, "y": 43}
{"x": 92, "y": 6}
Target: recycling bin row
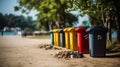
{"x": 83, "y": 39}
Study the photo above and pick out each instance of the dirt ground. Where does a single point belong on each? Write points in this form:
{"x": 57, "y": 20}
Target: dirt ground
{"x": 16, "y": 51}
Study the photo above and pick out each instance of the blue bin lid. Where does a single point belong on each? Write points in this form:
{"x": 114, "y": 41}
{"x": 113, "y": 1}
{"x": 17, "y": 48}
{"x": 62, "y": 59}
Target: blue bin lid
{"x": 97, "y": 29}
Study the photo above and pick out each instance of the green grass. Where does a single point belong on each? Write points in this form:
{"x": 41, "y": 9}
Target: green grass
{"x": 113, "y": 45}
{"x": 40, "y": 37}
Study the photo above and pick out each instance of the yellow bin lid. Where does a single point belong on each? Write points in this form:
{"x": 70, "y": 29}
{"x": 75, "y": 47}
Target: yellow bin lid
{"x": 71, "y": 29}
{"x": 56, "y": 30}
{"x": 66, "y": 30}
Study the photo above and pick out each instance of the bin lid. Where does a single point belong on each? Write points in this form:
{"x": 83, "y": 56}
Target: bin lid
{"x": 71, "y": 29}
{"x": 81, "y": 28}
{"x": 97, "y": 29}
{"x": 51, "y": 31}
{"x": 60, "y": 30}
{"x": 56, "y": 30}
{"x": 65, "y": 30}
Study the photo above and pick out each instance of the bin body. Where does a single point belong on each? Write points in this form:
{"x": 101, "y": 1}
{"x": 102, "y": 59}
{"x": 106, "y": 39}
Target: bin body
{"x": 97, "y": 41}
{"x": 62, "y": 38}
{"x": 51, "y": 37}
{"x": 67, "y": 39}
{"x": 73, "y": 38}
{"x": 82, "y": 40}
{"x": 56, "y": 37}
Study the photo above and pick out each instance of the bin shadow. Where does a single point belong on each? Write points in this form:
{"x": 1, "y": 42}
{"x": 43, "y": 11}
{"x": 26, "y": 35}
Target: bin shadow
{"x": 111, "y": 54}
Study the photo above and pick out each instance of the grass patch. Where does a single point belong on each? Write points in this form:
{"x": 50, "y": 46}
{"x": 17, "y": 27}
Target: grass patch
{"x": 111, "y": 45}
{"x": 39, "y": 37}
{"x": 114, "y": 46}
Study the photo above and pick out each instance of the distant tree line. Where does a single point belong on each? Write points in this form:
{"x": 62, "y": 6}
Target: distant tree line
{"x": 11, "y": 20}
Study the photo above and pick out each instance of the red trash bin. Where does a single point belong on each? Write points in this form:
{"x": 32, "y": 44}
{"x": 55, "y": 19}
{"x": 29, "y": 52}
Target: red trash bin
{"x": 82, "y": 39}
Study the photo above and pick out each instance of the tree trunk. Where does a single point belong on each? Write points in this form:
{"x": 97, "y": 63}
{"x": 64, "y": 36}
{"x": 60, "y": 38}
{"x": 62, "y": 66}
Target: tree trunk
{"x": 109, "y": 31}
{"x": 107, "y": 24}
{"x": 57, "y": 23}
{"x": 50, "y": 25}
{"x": 118, "y": 30}
{"x": 117, "y": 5}
{"x": 62, "y": 18}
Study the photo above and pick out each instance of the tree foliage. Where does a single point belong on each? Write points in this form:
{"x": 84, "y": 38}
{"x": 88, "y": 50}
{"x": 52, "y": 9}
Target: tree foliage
{"x": 101, "y": 12}
{"x": 49, "y": 10}
{"x": 15, "y": 21}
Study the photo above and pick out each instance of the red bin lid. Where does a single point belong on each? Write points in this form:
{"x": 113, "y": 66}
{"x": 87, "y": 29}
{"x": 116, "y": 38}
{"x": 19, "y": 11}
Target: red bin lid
{"x": 81, "y": 28}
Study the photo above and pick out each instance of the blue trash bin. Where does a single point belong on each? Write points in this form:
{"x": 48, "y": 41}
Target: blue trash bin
{"x": 97, "y": 41}
{"x": 62, "y": 38}
{"x": 52, "y": 37}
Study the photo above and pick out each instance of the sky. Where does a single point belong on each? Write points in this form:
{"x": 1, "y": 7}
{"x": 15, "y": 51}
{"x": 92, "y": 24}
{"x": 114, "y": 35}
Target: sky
{"x": 7, "y": 7}
{"x": 80, "y": 19}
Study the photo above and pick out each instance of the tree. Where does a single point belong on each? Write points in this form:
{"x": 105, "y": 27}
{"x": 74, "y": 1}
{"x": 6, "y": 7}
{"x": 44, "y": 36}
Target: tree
{"x": 3, "y": 22}
{"x": 117, "y": 6}
{"x": 15, "y": 21}
{"x": 101, "y": 12}
{"x": 52, "y": 10}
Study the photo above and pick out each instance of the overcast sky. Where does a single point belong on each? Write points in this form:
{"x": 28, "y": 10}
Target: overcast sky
{"x": 7, "y": 7}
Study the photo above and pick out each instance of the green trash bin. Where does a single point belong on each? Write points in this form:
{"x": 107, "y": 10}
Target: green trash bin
{"x": 62, "y": 38}
{"x": 97, "y": 41}
{"x": 51, "y": 37}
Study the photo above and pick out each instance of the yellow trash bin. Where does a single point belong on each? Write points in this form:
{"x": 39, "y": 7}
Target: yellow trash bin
{"x": 67, "y": 42}
{"x": 73, "y": 38}
{"x": 56, "y": 37}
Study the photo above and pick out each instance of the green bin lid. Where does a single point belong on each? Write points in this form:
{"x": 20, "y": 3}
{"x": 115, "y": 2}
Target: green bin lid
{"x": 51, "y": 31}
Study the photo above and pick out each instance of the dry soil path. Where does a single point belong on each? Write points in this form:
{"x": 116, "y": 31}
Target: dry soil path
{"x": 22, "y": 52}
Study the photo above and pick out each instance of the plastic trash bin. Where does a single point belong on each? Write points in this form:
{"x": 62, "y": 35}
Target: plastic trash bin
{"x": 67, "y": 41}
{"x": 73, "y": 38}
{"x": 97, "y": 41}
{"x": 62, "y": 38}
{"x": 82, "y": 39}
{"x": 56, "y": 37}
{"x": 51, "y": 37}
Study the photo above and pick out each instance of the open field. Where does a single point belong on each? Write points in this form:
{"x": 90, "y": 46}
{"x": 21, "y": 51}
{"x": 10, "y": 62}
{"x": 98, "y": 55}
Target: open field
{"x": 16, "y": 51}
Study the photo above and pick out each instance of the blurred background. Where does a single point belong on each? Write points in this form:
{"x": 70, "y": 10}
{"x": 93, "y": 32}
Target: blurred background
{"x": 40, "y": 16}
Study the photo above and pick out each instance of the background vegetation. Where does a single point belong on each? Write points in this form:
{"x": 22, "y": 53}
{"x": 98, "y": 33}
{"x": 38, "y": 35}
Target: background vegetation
{"x": 16, "y": 21}
{"x": 56, "y": 13}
